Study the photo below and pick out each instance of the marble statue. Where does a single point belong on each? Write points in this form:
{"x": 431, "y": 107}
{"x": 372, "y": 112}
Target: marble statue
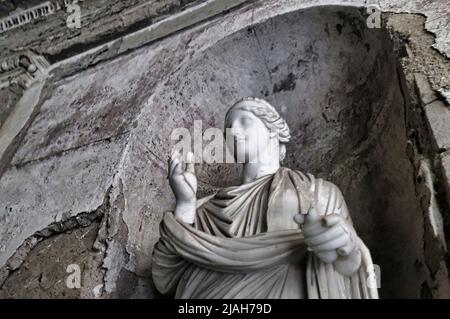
{"x": 280, "y": 234}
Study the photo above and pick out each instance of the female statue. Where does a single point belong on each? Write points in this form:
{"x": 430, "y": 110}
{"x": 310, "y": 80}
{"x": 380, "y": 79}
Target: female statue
{"x": 280, "y": 234}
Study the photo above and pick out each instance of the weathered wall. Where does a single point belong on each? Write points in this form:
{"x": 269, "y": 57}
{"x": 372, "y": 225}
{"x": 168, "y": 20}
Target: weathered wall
{"x": 89, "y": 173}
{"x": 101, "y": 20}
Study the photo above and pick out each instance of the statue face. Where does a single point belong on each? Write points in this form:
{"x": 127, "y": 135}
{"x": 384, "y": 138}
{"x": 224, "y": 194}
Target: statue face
{"x": 250, "y": 136}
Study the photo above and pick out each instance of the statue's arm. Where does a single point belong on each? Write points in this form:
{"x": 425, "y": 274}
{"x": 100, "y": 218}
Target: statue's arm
{"x": 329, "y": 231}
{"x": 349, "y": 256}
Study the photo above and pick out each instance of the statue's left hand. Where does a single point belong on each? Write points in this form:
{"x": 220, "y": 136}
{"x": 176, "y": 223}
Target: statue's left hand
{"x": 329, "y": 237}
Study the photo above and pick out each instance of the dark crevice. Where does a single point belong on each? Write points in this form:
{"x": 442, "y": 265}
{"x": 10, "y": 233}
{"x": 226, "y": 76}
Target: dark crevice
{"x": 419, "y": 133}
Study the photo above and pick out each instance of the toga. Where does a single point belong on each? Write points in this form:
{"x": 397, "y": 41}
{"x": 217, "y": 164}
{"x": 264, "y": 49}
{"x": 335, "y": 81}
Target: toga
{"x": 245, "y": 244}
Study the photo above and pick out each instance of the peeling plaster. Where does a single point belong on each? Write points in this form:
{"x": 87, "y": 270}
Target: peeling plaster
{"x": 120, "y": 257}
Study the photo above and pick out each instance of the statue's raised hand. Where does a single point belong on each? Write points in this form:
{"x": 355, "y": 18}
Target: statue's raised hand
{"x": 183, "y": 182}
{"x": 332, "y": 239}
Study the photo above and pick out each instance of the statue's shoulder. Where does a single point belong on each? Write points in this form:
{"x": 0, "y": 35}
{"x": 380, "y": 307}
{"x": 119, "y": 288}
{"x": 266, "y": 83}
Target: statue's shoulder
{"x": 325, "y": 194}
{"x": 329, "y": 198}
{"x": 310, "y": 179}
{"x": 297, "y": 174}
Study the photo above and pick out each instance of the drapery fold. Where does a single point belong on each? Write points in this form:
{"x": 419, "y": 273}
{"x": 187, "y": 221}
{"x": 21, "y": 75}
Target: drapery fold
{"x": 244, "y": 244}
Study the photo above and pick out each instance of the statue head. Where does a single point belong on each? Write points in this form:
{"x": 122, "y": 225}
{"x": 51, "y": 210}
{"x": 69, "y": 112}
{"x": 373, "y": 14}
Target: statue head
{"x": 258, "y": 129}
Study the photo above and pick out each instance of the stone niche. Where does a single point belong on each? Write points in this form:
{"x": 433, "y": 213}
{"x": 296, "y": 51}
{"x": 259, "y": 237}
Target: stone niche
{"x": 336, "y": 82}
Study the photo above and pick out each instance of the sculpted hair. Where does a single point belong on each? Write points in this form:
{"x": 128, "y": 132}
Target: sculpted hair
{"x": 266, "y": 113}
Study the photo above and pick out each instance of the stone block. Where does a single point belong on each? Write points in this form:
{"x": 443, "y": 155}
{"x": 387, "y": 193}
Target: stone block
{"x": 438, "y": 116}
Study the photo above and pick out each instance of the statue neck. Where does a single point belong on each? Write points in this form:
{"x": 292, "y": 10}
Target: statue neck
{"x": 253, "y": 171}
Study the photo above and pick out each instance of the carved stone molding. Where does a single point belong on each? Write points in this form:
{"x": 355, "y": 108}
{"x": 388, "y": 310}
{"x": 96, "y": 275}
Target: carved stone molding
{"x": 23, "y": 16}
{"x": 22, "y": 69}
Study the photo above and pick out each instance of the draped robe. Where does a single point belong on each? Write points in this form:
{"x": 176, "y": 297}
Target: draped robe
{"x": 245, "y": 244}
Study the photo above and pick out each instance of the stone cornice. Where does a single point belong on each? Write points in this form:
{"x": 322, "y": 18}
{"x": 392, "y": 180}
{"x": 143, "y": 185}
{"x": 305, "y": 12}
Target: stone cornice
{"x": 20, "y": 17}
{"x": 22, "y": 69}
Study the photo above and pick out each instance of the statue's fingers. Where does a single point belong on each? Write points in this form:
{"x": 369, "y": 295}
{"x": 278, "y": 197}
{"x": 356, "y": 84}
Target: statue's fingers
{"x": 314, "y": 229}
{"x": 327, "y": 256}
{"x": 312, "y": 216}
{"x": 190, "y": 166}
{"x": 176, "y": 167}
{"x": 329, "y": 234}
{"x": 346, "y": 249}
{"x": 172, "y": 165}
{"x": 331, "y": 220}
{"x": 173, "y": 157}
{"x": 332, "y": 244}
{"x": 175, "y": 154}
{"x": 299, "y": 219}
{"x": 169, "y": 161}
{"x": 191, "y": 180}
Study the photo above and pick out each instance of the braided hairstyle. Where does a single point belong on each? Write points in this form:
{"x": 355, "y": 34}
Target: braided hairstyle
{"x": 267, "y": 114}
